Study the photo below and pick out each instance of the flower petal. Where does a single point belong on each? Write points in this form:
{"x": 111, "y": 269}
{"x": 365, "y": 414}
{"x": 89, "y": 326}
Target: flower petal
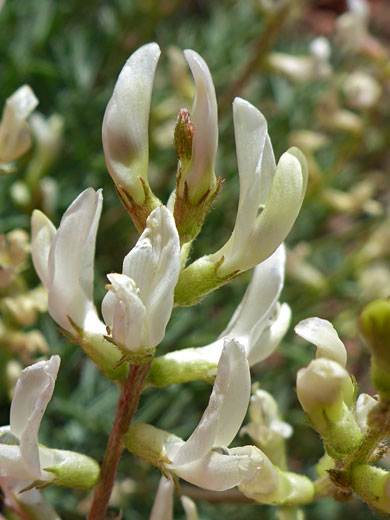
{"x": 125, "y": 124}
{"x": 126, "y": 314}
{"x": 42, "y": 234}
{"x": 189, "y": 507}
{"x": 154, "y": 265}
{"x": 163, "y": 503}
{"x": 256, "y": 166}
{"x": 223, "y": 469}
{"x": 32, "y": 394}
{"x": 271, "y": 336}
{"x": 253, "y": 314}
{"x": 226, "y": 409}
{"x": 200, "y": 174}
{"x": 71, "y": 262}
{"x": 323, "y": 335}
{"x": 15, "y": 137}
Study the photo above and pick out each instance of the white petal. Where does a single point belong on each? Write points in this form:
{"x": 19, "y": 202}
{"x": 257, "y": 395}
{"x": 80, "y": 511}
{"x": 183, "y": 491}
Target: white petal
{"x": 129, "y": 328}
{"x": 42, "y": 234}
{"x": 32, "y": 394}
{"x": 271, "y": 336}
{"x": 256, "y": 166}
{"x": 253, "y": 314}
{"x": 223, "y": 469}
{"x": 125, "y": 124}
{"x": 322, "y": 334}
{"x": 364, "y": 404}
{"x": 204, "y": 116}
{"x": 71, "y": 262}
{"x": 276, "y": 219}
{"x": 321, "y": 383}
{"x": 12, "y": 465}
{"x": 189, "y": 507}
{"x": 226, "y": 409}
{"x": 154, "y": 265}
{"x": 163, "y": 504}
{"x": 14, "y": 132}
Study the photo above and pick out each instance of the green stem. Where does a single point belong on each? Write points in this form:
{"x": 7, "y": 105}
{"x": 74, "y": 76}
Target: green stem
{"x": 127, "y": 405}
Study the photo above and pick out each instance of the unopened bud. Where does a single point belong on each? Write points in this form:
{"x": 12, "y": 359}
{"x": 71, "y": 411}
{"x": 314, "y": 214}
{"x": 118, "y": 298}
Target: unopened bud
{"x": 326, "y": 393}
{"x": 374, "y": 323}
{"x": 184, "y": 133}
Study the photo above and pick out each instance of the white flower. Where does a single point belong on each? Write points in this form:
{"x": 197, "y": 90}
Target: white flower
{"x": 64, "y": 261}
{"x": 199, "y": 174}
{"x": 265, "y": 424}
{"x": 15, "y": 137}
{"x": 21, "y": 459}
{"x": 322, "y": 384}
{"x": 139, "y": 302}
{"x": 275, "y": 191}
{"x": 259, "y": 323}
{"x": 322, "y": 334}
{"x": 125, "y": 124}
{"x": 364, "y": 404}
{"x": 205, "y": 459}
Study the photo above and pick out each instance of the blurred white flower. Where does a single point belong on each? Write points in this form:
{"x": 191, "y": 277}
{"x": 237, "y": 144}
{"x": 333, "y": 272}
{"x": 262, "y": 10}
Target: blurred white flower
{"x": 15, "y": 138}
{"x": 361, "y": 90}
{"x": 139, "y": 302}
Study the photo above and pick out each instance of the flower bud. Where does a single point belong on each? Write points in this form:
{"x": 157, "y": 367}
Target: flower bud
{"x": 125, "y": 133}
{"x": 374, "y": 323}
{"x": 196, "y": 141}
{"x": 326, "y": 393}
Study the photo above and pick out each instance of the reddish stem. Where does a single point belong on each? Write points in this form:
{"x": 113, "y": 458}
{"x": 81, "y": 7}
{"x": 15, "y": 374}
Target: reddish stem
{"x": 127, "y": 405}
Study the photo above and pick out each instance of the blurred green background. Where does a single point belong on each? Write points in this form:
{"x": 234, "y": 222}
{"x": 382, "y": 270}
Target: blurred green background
{"x": 71, "y": 53}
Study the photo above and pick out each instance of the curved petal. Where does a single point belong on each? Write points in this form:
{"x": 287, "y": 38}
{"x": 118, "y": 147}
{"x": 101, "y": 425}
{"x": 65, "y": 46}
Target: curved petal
{"x": 256, "y": 166}
{"x": 271, "y": 336}
{"x": 71, "y": 261}
{"x": 42, "y": 234}
{"x": 12, "y": 464}
{"x": 223, "y": 469}
{"x": 129, "y": 329}
{"x": 226, "y": 409}
{"x": 163, "y": 504}
{"x": 125, "y": 123}
{"x": 189, "y": 507}
{"x": 200, "y": 174}
{"x": 323, "y": 335}
{"x": 364, "y": 404}
{"x": 32, "y": 394}
{"x": 15, "y": 137}
{"x": 256, "y": 308}
{"x": 154, "y": 265}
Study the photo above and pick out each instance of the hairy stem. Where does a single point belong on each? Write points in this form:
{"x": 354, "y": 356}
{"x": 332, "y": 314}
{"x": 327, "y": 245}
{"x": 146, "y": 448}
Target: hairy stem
{"x": 127, "y": 405}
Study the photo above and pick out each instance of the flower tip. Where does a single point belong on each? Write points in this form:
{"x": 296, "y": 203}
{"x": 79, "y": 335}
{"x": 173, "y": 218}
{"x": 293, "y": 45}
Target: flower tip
{"x": 247, "y": 115}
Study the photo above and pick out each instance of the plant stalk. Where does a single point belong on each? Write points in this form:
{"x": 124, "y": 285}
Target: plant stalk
{"x": 127, "y": 405}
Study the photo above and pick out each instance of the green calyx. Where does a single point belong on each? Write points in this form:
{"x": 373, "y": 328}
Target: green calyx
{"x": 74, "y": 470}
{"x": 199, "y": 279}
